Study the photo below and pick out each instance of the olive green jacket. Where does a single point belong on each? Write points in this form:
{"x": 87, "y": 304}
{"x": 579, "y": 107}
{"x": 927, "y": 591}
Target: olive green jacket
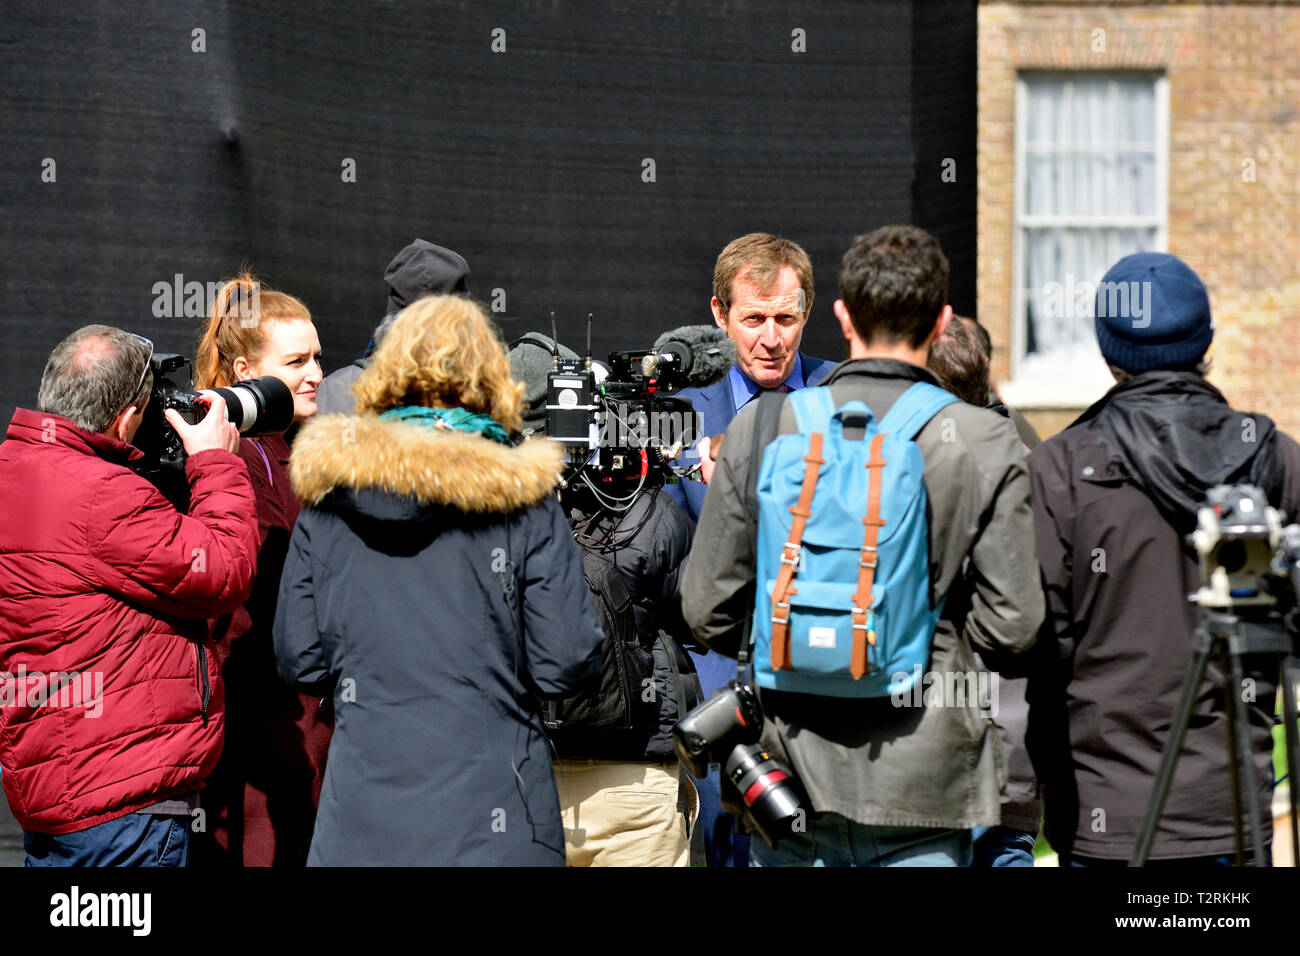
{"x": 883, "y": 761}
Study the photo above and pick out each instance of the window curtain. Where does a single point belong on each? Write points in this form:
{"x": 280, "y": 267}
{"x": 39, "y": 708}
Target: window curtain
{"x": 1090, "y": 155}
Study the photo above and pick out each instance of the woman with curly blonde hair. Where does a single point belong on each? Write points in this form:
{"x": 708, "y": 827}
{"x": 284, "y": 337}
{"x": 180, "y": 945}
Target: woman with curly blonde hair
{"x": 433, "y": 582}
{"x": 464, "y": 363}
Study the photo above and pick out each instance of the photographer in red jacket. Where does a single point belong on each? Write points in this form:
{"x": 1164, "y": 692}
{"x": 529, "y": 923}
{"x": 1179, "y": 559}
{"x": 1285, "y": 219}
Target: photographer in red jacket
{"x": 111, "y": 708}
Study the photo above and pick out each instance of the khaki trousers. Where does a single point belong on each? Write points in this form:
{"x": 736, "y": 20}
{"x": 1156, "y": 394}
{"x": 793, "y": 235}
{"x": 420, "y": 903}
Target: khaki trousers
{"x": 624, "y": 814}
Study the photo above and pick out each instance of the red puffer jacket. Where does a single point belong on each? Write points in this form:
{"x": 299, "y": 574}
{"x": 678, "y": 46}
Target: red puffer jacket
{"x": 102, "y": 579}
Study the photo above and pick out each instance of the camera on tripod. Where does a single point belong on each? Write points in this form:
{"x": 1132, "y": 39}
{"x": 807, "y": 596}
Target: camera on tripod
{"x": 725, "y": 730}
{"x": 259, "y": 406}
{"x": 1248, "y": 611}
{"x": 1245, "y": 552}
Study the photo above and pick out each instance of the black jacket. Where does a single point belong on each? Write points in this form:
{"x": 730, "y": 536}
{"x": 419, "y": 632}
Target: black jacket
{"x": 433, "y": 580}
{"x": 653, "y": 538}
{"x": 1113, "y": 496}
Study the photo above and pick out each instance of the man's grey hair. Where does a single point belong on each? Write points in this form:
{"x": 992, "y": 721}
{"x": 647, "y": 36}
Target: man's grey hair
{"x": 91, "y": 377}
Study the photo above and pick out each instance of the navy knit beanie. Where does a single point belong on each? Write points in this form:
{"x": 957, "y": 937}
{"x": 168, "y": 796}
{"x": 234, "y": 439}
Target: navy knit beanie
{"x": 1153, "y": 312}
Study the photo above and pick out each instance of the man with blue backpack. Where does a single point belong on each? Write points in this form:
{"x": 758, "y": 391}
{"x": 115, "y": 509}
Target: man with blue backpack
{"x": 867, "y": 537}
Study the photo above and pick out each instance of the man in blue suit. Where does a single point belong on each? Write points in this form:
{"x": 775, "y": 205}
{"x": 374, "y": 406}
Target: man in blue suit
{"x": 762, "y": 296}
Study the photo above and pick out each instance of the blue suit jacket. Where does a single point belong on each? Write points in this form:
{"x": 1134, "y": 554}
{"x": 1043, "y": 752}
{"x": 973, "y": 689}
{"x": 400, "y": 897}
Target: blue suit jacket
{"x": 716, "y": 408}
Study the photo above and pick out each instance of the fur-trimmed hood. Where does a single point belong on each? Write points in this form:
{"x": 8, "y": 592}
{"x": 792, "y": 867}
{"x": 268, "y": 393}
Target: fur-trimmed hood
{"x": 423, "y": 466}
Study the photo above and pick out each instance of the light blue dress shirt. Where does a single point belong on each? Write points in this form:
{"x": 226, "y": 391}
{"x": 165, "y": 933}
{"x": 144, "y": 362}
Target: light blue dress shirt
{"x": 744, "y": 388}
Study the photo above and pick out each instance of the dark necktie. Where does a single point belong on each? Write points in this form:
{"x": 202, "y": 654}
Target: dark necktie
{"x": 781, "y": 389}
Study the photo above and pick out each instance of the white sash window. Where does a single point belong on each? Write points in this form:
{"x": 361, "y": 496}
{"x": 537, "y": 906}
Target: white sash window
{"x": 1091, "y": 187}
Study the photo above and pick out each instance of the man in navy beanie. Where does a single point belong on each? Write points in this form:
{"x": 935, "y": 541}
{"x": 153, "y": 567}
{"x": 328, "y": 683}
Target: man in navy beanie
{"x": 1113, "y": 496}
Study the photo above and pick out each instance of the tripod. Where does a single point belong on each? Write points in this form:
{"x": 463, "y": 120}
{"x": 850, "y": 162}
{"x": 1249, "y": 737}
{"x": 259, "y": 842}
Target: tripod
{"x": 1231, "y": 637}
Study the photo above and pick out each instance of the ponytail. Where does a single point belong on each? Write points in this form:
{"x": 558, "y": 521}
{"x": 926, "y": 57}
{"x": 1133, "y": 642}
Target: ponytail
{"x": 239, "y": 325}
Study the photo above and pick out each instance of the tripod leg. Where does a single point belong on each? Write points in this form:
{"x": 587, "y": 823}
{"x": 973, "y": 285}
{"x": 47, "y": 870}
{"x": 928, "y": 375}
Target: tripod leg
{"x": 1234, "y": 768}
{"x": 1202, "y": 642}
{"x": 1292, "y": 734}
{"x": 1240, "y": 737}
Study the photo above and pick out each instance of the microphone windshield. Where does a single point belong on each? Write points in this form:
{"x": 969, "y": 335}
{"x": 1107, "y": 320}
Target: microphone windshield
{"x": 707, "y": 353}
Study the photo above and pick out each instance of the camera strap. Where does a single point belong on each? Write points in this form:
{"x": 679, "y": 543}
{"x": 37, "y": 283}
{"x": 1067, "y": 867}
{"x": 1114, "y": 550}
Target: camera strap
{"x": 683, "y": 708}
{"x": 767, "y": 425}
{"x": 257, "y": 445}
{"x": 742, "y": 663}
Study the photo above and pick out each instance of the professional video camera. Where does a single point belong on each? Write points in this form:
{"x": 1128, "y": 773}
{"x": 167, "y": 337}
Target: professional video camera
{"x": 260, "y": 406}
{"x": 623, "y": 431}
{"x": 725, "y": 730}
{"x": 620, "y": 420}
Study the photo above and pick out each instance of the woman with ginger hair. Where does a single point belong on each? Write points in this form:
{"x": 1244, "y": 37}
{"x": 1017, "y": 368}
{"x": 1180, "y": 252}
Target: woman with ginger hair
{"x": 433, "y": 580}
{"x": 260, "y": 802}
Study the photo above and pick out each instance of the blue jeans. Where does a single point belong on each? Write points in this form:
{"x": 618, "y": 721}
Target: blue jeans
{"x": 137, "y": 839}
{"x": 1003, "y": 846}
{"x": 833, "y": 840}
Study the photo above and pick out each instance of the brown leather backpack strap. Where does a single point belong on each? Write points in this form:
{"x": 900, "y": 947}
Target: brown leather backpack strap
{"x": 867, "y": 565}
{"x": 783, "y": 588}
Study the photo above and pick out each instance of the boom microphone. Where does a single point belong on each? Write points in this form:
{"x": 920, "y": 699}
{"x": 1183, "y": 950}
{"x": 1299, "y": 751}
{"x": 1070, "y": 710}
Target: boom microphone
{"x": 702, "y": 354}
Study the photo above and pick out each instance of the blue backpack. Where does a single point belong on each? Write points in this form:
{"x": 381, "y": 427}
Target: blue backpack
{"x": 843, "y": 578}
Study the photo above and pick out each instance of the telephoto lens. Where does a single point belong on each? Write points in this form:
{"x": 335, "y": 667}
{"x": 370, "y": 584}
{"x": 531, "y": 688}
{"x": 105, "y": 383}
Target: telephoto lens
{"x": 772, "y": 797}
{"x": 259, "y": 406}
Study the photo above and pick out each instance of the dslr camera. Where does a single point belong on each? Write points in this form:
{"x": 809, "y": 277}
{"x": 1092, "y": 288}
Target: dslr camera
{"x": 725, "y": 730}
{"x": 260, "y": 406}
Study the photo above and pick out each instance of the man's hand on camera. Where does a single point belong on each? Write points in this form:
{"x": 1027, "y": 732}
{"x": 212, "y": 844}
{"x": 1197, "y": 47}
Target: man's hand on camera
{"x": 215, "y": 431}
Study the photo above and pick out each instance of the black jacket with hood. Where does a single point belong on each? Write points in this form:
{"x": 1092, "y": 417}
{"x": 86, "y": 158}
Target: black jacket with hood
{"x": 420, "y": 269}
{"x": 648, "y": 544}
{"x": 432, "y": 579}
{"x": 1114, "y": 494}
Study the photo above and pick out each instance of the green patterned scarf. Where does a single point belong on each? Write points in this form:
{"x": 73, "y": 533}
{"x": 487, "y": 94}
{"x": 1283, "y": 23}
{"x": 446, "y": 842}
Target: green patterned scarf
{"x": 450, "y": 418}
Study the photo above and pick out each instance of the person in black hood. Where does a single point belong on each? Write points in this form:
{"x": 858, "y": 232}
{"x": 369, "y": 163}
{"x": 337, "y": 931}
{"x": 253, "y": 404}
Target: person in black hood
{"x": 1113, "y": 496}
{"x": 420, "y": 269}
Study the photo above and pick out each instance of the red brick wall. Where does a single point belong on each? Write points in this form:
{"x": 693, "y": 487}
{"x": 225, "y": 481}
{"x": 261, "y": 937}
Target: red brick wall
{"x": 1234, "y": 94}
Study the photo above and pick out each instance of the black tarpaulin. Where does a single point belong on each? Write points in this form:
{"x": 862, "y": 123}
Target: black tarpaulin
{"x": 529, "y": 159}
